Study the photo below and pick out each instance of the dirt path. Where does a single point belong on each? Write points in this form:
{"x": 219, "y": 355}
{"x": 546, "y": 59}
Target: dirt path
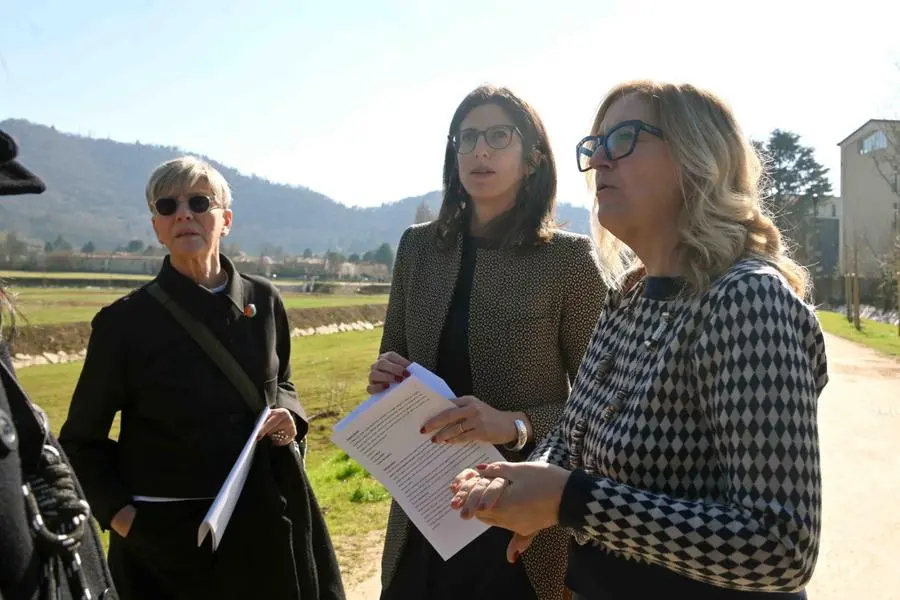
{"x": 859, "y": 429}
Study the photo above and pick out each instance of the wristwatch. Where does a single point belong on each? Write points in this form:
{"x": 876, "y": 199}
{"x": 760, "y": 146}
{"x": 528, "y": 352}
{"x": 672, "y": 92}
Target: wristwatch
{"x": 521, "y": 437}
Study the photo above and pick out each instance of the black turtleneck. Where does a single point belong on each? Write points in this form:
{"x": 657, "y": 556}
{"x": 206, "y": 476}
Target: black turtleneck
{"x": 453, "y": 353}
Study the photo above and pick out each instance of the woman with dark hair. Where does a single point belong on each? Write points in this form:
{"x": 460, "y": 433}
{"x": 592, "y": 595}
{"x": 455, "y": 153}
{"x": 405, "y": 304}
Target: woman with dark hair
{"x": 501, "y": 304}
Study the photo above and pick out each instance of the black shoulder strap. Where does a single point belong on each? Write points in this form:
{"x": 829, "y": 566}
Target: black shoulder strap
{"x": 213, "y": 347}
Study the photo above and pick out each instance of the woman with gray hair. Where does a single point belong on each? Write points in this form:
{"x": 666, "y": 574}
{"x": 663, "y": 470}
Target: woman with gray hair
{"x": 189, "y": 361}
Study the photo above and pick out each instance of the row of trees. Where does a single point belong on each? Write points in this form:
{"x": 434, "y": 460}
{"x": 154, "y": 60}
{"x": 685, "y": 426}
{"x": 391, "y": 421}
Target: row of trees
{"x": 133, "y": 247}
{"x": 384, "y": 255}
{"x": 13, "y": 245}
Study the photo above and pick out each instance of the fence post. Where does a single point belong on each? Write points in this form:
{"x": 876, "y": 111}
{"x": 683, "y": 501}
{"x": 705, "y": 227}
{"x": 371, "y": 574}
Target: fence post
{"x": 848, "y": 299}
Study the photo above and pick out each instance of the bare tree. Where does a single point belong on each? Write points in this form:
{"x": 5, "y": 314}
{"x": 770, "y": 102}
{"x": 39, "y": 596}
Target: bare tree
{"x": 887, "y": 163}
{"x": 888, "y": 284}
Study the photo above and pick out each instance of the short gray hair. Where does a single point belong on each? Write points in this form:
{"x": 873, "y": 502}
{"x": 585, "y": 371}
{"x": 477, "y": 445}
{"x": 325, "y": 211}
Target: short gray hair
{"x": 185, "y": 172}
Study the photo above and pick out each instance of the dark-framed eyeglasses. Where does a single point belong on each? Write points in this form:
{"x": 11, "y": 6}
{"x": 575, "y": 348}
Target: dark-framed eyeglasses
{"x": 618, "y": 142}
{"x": 198, "y": 203}
{"x": 497, "y": 137}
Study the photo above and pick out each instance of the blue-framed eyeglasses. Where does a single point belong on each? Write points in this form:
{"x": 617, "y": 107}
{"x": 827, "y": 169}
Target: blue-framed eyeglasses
{"x": 618, "y": 142}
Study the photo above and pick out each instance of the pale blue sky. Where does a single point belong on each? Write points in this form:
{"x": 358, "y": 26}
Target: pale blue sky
{"x": 353, "y": 99}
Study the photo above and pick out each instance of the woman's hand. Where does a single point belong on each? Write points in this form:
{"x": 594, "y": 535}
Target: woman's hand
{"x": 389, "y": 368}
{"x": 122, "y": 520}
{"x": 280, "y": 427}
{"x": 521, "y": 497}
{"x": 473, "y": 420}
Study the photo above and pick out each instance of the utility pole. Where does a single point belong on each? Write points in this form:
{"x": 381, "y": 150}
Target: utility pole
{"x": 856, "y": 285}
{"x": 897, "y": 259}
{"x": 848, "y": 290}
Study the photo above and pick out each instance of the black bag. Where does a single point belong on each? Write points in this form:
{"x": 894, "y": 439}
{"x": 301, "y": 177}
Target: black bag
{"x": 68, "y": 557}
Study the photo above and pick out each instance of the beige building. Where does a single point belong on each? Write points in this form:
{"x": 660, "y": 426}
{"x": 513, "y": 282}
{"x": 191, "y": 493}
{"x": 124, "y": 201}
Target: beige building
{"x": 870, "y": 202}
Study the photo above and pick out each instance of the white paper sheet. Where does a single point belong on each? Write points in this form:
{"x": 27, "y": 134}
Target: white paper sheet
{"x": 216, "y": 520}
{"x": 382, "y": 435}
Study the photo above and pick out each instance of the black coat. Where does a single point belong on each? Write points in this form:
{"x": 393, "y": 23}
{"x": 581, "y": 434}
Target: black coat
{"x": 24, "y": 432}
{"x": 182, "y": 427}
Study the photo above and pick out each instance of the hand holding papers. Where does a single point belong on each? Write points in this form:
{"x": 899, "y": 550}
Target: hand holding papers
{"x": 382, "y": 434}
{"x": 216, "y": 519}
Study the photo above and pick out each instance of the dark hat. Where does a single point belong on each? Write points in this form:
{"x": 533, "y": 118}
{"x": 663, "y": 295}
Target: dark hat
{"x": 14, "y": 178}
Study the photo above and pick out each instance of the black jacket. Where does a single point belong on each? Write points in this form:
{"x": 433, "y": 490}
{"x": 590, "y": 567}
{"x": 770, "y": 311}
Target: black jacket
{"x": 24, "y": 433}
{"x": 183, "y": 425}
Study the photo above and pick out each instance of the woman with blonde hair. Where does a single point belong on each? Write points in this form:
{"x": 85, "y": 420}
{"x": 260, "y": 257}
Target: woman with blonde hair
{"x": 687, "y": 459}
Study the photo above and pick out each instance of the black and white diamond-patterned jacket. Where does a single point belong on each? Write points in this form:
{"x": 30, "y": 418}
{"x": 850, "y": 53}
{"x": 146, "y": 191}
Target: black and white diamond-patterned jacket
{"x": 691, "y": 433}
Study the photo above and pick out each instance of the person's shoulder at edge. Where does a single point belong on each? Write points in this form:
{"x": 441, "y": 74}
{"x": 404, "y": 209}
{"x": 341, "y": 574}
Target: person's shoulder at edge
{"x": 415, "y": 236}
{"x": 570, "y": 240}
{"x": 121, "y": 311}
{"x": 755, "y": 273}
{"x": 261, "y": 286}
{"x": 420, "y": 231}
{"x": 757, "y": 286}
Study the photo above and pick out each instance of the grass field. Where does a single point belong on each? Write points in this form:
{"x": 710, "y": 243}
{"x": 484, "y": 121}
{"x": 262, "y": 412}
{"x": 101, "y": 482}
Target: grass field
{"x": 100, "y": 277}
{"x": 879, "y": 336}
{"x": 330, "y": 374}
{"x": 103, "y": 278}
{"x": 44, "y": 306}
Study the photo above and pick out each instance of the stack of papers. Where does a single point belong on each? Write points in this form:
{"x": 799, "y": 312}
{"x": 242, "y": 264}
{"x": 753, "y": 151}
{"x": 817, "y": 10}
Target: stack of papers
{"x": 382, "y": 435}
{"x": 216, "y": 520}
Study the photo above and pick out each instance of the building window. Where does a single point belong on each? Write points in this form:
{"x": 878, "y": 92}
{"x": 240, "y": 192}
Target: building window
{"x": 875, "y": 141}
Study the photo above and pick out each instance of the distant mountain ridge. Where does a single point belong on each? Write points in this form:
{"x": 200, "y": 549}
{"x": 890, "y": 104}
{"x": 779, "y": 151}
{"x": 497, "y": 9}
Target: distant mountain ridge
{"x": 95, "y": 192}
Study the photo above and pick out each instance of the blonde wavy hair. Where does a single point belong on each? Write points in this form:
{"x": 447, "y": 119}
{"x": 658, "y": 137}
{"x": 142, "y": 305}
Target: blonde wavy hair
{"x": 723, "y": 218}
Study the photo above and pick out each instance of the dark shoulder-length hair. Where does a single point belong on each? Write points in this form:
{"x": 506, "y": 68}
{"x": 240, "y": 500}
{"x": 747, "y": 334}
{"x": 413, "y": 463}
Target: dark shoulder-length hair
{"x": 530, "y": 221}
{"x": 7, "y": 309}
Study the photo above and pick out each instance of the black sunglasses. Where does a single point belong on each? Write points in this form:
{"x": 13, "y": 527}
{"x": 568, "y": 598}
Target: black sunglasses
{"x": 497, "y": 137}
{"x": 167, "y": 205}
{"x": 618, "y": 142}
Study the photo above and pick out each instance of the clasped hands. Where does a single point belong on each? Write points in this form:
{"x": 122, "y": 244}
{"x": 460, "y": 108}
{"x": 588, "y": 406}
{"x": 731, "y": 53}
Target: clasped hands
{"x": 521, "y": 497}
